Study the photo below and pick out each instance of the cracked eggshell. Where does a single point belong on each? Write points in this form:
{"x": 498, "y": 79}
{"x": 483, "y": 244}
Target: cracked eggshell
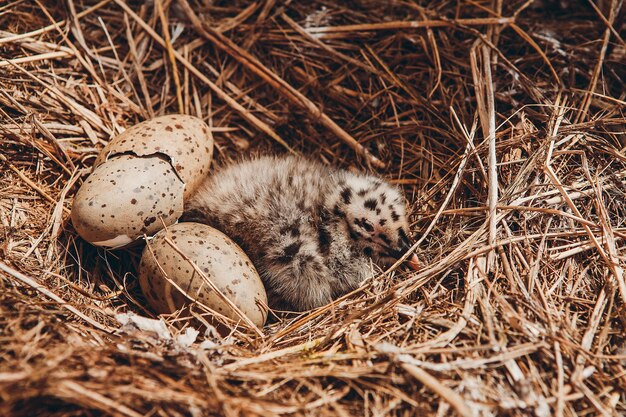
{"x": 125, "y": 198}
{"x": 185, "y": 140}
{"x": 217, "y": 256}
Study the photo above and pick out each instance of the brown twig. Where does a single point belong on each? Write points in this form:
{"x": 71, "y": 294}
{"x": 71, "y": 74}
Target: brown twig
{"x": 299, "y": 99}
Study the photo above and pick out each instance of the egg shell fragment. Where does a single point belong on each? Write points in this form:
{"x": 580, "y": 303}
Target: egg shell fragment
{"x": 185, "y": 140}
{"x": 125, "y": 198}
{"x": 217, "y": 256}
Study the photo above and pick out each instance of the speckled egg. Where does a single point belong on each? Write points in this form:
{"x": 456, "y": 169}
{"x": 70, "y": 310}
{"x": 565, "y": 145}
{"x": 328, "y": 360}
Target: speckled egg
{"x": 220, "y": 260}
{"x": 185, "y": 140}
{"x": 141, "y": 180}
{"x": 125, "y": 198}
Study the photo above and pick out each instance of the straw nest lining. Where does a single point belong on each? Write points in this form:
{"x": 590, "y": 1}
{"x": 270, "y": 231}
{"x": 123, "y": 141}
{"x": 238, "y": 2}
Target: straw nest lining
{"x": 503, "y": 122}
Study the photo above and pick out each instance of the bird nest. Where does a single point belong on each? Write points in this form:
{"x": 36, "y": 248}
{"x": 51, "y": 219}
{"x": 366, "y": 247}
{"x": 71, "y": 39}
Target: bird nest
{"x": 502, "y": 121}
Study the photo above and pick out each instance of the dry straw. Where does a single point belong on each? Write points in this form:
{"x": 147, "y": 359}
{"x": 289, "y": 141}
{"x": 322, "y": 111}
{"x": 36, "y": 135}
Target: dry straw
{"x": 503, "y": 121}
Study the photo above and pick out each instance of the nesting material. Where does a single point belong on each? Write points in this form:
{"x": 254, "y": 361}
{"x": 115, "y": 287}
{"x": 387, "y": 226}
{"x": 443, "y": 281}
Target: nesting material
{"x": 503, "y": 122}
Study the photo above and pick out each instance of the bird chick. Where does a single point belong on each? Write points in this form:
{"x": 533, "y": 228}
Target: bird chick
{"x": 310, "y": 230}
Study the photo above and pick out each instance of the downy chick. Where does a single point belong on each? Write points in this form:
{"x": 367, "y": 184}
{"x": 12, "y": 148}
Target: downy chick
{"x": 310, "y": 230}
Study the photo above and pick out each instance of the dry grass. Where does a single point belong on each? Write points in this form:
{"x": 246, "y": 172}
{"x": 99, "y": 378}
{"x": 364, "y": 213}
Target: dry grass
{"x": 504, "y": 122}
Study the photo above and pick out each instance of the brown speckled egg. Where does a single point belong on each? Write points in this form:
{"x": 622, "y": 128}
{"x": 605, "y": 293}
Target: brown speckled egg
{"x": 218, "y": 257}
{"x": 185, "y": 140}
{"x": 125, "y": 198}
{"x": 141, "y": 176}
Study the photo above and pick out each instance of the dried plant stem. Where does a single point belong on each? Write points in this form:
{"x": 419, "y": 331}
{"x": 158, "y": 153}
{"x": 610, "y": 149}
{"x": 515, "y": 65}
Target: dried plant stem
{"x": 483, "y": 83}
{"x": 28, "y": 181}
{"x": 170, "y": 54}
{"x": 444, "y": 392}
{"x": 74, "y": 389}
{"x": 412, "y": 25}
{"x": 220, "y": 93}
{"x": 14, "y": 38}
{"x": 281, "y": 86}
{"x": 38, "y": 287}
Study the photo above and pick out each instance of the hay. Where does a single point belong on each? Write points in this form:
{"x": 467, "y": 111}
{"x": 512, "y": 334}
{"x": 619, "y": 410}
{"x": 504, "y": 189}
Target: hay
{"x": 503, "y": 121}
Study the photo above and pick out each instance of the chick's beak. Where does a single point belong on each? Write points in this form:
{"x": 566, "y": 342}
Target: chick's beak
{"x": 412, "y": 261}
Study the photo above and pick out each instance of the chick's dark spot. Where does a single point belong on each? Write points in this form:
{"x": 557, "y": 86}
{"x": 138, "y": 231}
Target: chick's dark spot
{"x": 346, "y": 195}
{"x": 368, "y": 251}
{"x": 290, "y": 251}
{"x": 323, "y": 240}
{"x": 367, "y": 225}
{"x": 292, "y": 229}
{"x": 394, "y": 216}
{"x": 384, "y": 238}
{"x": 307, "y": 258}
{"x": 370, "y": 204}
{"x": 403, "y": 236}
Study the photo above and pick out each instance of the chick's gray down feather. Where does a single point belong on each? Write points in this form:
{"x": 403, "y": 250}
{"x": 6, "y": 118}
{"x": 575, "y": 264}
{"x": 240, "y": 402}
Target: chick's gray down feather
{"x": 310, "y": 230}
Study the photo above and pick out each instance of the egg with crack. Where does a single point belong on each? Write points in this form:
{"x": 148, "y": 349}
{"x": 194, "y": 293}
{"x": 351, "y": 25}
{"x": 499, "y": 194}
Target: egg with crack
{"x": 195, "y": 263}
{"x": 141, "y": 179}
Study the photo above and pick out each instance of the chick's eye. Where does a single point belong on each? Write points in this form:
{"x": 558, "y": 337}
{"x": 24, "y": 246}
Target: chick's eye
{"x": 364, "y": 223}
